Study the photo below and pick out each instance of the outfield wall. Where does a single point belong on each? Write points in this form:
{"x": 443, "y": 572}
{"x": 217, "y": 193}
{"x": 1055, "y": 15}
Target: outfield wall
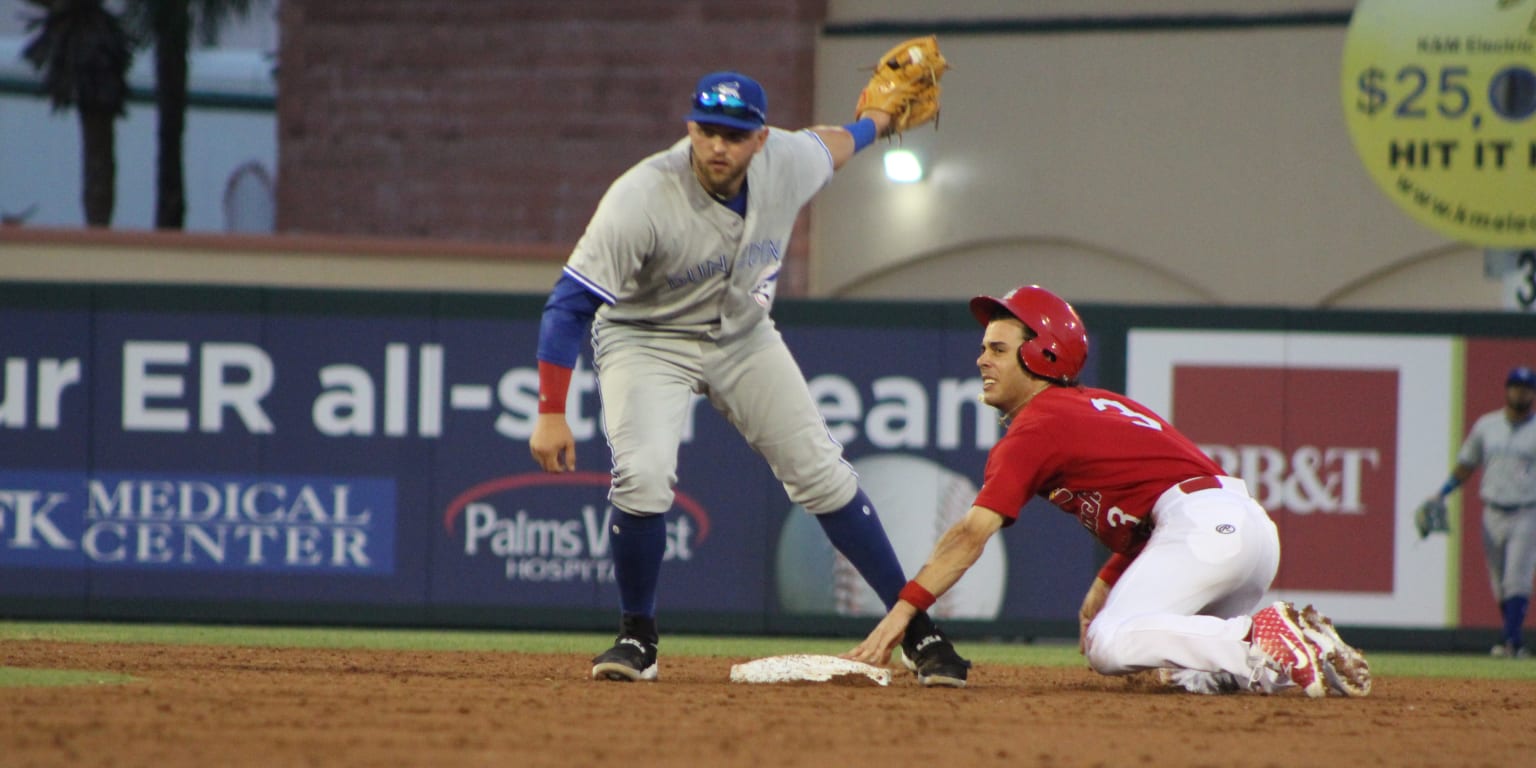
{"x": 328, "y": 456}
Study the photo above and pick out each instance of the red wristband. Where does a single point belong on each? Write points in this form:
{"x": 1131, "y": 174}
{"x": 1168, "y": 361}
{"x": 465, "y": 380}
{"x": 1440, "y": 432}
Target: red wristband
{"x": 915, "y": 594}
{"x": 554, "y": 383}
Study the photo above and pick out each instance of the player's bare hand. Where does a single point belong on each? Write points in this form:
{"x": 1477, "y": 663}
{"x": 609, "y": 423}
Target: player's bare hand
{"x": 881, "y": 119}
{"x": 552, "y": 444}
{"x": 876, "y": 649}
{"x": 1093, "y": 602}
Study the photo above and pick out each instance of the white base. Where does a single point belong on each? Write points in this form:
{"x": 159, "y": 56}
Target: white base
{"x": 804, "y": 667}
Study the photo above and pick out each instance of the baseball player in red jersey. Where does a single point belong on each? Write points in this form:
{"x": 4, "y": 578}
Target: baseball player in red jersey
{"x": 1192, "y": 553}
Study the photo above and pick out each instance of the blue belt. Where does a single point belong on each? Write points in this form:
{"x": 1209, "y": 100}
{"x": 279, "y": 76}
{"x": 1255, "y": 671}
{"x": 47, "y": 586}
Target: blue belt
{"x": 1508, "y": 508}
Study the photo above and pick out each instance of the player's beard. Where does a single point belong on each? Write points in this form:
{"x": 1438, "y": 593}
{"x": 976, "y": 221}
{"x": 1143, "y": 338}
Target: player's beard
{"x": 1520, "y": 404}
{"x": 722, "y": 181}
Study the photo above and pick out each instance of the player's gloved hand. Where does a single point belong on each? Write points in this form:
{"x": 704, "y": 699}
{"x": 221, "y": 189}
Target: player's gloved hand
{"x": 905, "y": 85}
{"x": 1431, "y": 517}
{"x": 552, "y": 444}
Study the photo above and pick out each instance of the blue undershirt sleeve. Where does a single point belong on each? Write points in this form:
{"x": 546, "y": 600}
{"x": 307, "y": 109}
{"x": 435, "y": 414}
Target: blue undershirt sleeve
{"x": 863, "y": 133}
{"x": 1450, "y": 485}
{"x": 567, "y": 316}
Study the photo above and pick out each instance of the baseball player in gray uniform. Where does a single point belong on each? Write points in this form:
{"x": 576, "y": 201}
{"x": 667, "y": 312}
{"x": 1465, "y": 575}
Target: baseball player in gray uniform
{"x": 1503, "y": 442}
{"x": 676, "y": 275}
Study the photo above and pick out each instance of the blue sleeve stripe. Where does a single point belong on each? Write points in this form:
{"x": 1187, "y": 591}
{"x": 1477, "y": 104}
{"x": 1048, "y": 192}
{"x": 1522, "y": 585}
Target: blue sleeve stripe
{"x": 587, "y": 283}
{"x": 823, "y": 144}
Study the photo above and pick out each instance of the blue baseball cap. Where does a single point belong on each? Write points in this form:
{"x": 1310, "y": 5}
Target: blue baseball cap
{"x": 730, "y": 99}
{"x": 1522, "y": 376}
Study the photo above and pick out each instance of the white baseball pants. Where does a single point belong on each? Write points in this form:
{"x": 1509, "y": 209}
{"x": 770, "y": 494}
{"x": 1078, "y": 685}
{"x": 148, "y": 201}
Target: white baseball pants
{"x": 1186, "y": 600}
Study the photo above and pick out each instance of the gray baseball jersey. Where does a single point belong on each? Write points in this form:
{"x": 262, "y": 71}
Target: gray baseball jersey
{"x": 687, "y": 285}
{"x": 664, "y": 255}
{"x": 1508, "y": 455}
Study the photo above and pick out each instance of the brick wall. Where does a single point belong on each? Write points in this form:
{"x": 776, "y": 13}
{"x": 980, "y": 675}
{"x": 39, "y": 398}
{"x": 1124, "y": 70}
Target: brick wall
{"x": 505, "y": 120}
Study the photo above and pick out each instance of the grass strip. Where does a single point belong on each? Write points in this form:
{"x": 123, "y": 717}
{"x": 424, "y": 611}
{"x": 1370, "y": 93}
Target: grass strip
{"x": 16, "y": 677}
{"x": 1049, "y": 654}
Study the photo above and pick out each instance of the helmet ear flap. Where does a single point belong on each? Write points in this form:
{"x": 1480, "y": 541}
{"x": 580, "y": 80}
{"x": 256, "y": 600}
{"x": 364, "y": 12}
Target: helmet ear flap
{"x": 1043, "y": 351}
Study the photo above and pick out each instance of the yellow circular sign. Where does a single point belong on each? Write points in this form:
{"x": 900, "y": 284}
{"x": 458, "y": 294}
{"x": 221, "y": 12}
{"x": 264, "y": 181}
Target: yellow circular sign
{"x": 1440, "y": 97}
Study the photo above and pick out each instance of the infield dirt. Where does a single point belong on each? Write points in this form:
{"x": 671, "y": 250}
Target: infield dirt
{"x": 234, "y": 706}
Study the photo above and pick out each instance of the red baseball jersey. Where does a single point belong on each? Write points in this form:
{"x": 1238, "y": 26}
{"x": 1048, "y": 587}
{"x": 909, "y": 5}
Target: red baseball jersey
{"x": 1095, "y": 454}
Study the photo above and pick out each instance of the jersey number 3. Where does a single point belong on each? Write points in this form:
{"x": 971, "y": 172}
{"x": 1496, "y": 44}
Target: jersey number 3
{"x": 1139, "y": 419}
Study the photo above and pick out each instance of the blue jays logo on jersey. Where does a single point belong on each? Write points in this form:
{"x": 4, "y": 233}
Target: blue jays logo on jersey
{"x": 767, "y": 284}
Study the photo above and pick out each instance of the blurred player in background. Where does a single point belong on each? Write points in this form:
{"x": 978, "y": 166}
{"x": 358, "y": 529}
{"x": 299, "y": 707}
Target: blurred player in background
{"x": 678, "y": 266}
{"x": 1192, "y": 552}
{"x": 1503, "y": 443}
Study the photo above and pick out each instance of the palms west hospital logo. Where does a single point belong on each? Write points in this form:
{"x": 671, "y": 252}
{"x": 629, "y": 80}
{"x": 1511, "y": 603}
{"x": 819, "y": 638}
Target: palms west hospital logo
{"x": 556, "y": 528}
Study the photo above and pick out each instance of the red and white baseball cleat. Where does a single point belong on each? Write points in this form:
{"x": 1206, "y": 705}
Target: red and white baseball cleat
{"x": 1344, "y": 666}
{"x": 1277, "y": 631}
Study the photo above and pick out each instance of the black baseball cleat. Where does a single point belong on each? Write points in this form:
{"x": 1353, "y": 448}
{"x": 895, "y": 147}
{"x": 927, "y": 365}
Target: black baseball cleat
{"x": 933, "y": 659}
{"x": 633, "y": 655}
{"x": 630, "y": 659}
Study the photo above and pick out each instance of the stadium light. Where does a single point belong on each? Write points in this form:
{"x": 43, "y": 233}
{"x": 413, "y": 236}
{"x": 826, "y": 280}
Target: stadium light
{"x": 903, "y": 166}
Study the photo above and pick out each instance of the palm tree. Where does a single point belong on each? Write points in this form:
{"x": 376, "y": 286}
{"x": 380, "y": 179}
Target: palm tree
{"x": 169, "y": 25}
{"x": 84, "y": 56}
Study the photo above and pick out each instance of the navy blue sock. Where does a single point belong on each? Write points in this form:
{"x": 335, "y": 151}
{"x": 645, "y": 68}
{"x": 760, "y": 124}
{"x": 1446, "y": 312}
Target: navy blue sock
{"x": 638, "y": 543}
{"x": 1514, "y": 618}
{"x": 856, "y": 532}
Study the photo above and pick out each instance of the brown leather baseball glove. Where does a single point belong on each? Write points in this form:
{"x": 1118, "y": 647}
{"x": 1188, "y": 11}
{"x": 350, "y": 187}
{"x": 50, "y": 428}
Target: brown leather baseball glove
{"x": 905, "y": 84}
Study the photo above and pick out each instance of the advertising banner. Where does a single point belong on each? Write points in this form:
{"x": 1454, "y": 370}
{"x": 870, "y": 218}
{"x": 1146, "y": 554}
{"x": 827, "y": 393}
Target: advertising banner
{"x": 1339, "y": 436}
{"x": 305, "y": 452}
{"x": 293, "y": 448}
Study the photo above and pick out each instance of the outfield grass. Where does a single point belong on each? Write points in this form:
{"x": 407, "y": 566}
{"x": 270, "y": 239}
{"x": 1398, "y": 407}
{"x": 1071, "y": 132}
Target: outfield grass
{"x": 12, "y": 677}
{"x": 1036, "y": 654}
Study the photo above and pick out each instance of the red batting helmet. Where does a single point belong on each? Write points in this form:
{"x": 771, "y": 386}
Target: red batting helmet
{"x": 1060, "y": 346}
